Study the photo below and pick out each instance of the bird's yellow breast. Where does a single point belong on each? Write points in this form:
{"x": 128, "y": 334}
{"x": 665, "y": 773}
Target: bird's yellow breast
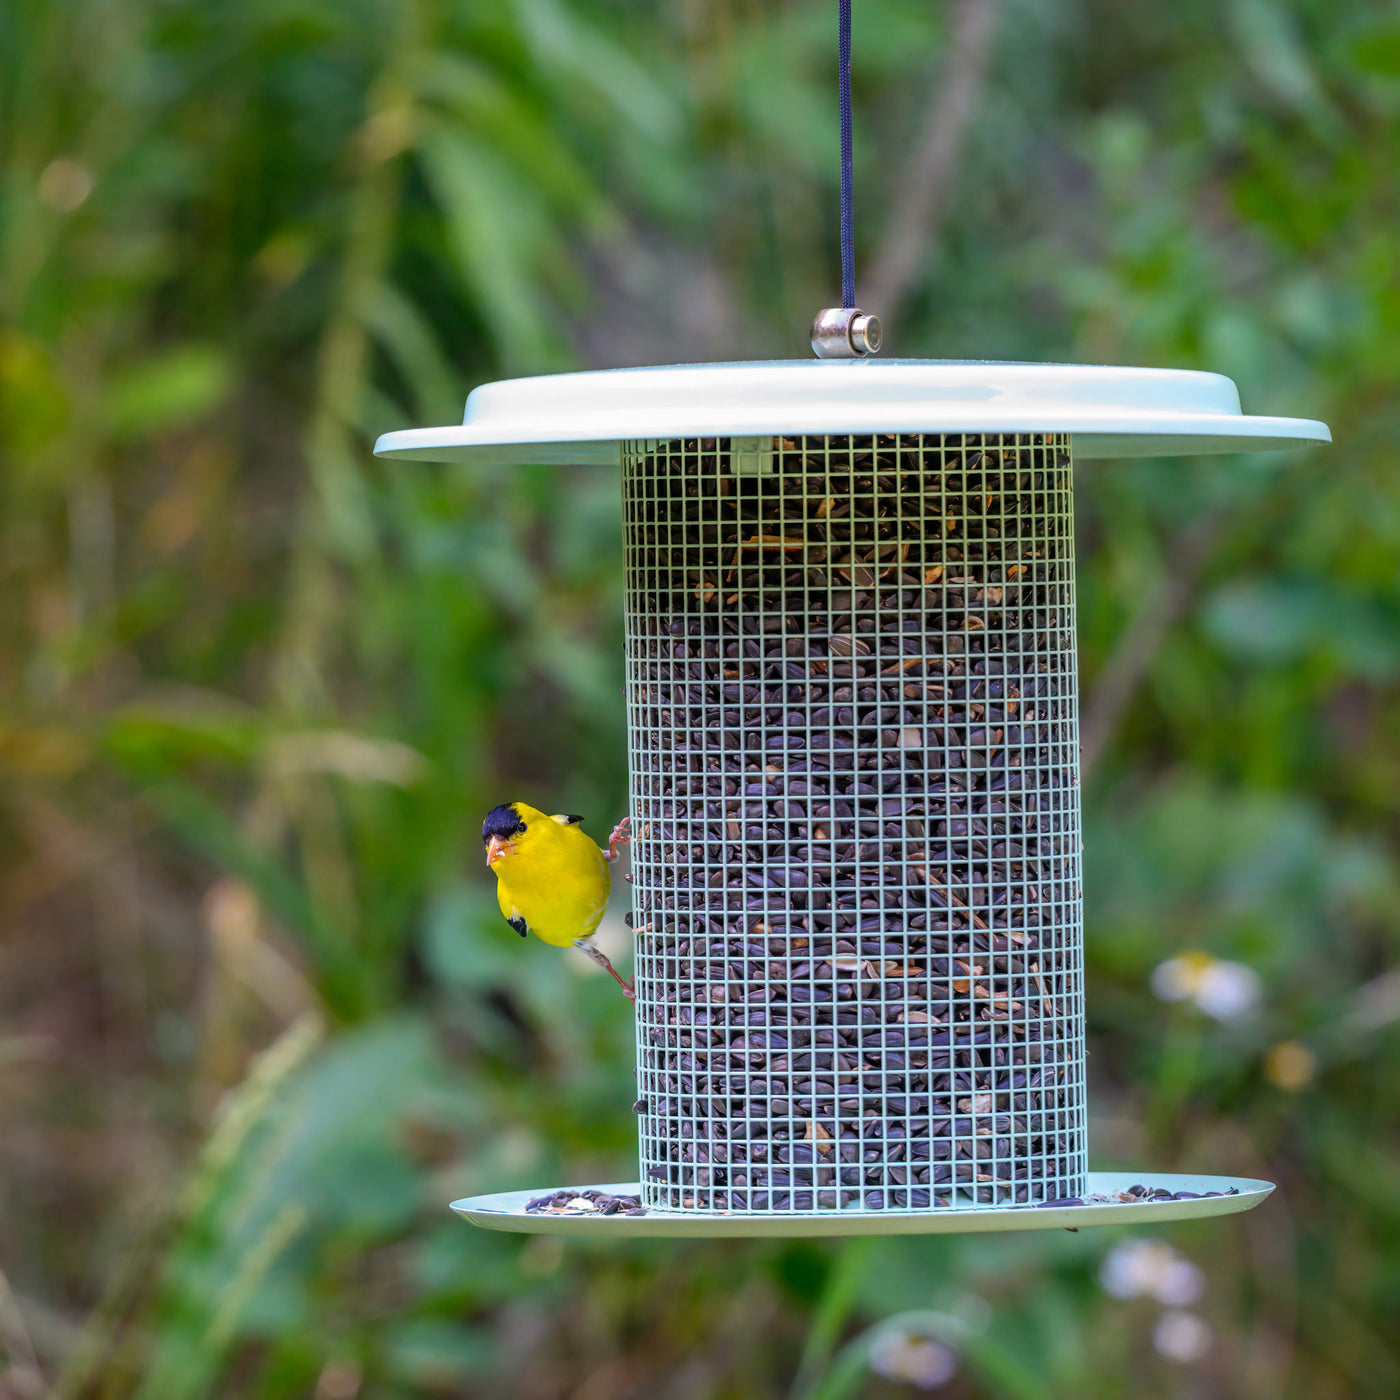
{"x": 556, "y": 879}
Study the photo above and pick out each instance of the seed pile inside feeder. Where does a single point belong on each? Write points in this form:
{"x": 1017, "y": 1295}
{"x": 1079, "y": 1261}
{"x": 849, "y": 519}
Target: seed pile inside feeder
{"x": 851, "y": 694}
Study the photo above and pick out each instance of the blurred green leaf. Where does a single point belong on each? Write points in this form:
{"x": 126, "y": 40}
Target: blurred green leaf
{"x": 1376, "y": 48}
{"x": 34, "y": 406}
{"x": 437, "y": 1353}
{"x": 169, "y": 390}
{"x": 463, "y": 940}
{"x": 1282, "y": 621}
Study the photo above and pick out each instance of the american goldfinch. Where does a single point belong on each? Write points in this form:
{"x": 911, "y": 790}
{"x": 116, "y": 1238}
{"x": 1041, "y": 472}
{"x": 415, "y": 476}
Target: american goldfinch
{"x": 552, "y": 880}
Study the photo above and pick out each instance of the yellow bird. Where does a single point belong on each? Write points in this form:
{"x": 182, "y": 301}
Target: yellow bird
{"x": 552, "y": 880}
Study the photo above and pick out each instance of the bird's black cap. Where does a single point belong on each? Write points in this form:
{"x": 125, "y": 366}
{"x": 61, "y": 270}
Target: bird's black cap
{"x": 501, "y": 821}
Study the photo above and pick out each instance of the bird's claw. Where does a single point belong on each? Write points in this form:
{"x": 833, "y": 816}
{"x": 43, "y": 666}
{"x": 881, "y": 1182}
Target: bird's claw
{"x": 628, "y": 989}
{"x": 620, "y": 837}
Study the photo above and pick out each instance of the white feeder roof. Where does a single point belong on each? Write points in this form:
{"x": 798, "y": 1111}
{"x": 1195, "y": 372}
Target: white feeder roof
{"x": 1111, "y": 411}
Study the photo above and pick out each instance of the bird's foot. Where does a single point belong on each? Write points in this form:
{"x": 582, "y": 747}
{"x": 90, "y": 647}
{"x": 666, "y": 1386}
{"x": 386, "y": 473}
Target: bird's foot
{"x": 628, "y": 990}
{"x": 586, "y": 945}
{"x": 620, "y": 837}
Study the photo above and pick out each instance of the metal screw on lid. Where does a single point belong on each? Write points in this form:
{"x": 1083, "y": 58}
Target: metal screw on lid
{"x": 845, "y": 333}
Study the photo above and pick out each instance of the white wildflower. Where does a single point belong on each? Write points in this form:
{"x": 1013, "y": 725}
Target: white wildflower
{"x": 1181, "y": 1336}
{"x": 64, "y": 184}
{"x": 1147, "y": 1268}
{"x": 924, "y": 1362}
{"x": 1223, "y": 990}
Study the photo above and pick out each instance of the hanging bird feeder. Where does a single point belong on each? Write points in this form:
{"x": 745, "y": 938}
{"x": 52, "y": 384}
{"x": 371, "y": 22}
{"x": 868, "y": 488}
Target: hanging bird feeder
{"x": 854, "y": 775}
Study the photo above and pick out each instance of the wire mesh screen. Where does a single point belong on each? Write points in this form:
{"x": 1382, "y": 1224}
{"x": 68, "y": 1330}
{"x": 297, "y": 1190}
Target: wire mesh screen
{"x": 854, "y": 769}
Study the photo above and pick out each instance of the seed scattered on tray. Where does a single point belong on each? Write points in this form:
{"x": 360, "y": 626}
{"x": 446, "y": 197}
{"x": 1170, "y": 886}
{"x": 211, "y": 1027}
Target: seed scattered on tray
{"x": 856, "y": 846}
{"x": 584, "y": 1203}
{"x": 1134, "y": 1195}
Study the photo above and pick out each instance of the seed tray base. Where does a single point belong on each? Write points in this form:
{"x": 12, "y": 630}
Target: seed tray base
{"x": 505, "y": 1210}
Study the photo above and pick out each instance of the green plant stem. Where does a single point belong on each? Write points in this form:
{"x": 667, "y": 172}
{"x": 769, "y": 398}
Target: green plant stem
{"x": 833, "y": 1312}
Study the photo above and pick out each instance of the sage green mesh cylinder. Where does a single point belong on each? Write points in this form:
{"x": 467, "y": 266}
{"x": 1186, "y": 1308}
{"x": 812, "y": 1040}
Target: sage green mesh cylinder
{"x": 854, "y": 790}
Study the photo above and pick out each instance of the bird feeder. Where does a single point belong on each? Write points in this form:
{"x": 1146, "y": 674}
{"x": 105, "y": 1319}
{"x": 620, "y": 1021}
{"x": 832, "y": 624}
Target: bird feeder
{"x": 854, "y": 778}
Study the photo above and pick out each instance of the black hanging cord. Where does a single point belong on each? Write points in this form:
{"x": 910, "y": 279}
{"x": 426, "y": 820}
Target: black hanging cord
{"x": 848, "y": 235}
{"x": 845, "y": 332}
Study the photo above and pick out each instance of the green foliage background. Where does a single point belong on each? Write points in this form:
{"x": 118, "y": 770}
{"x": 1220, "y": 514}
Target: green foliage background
{"x": 260, "y": 1019}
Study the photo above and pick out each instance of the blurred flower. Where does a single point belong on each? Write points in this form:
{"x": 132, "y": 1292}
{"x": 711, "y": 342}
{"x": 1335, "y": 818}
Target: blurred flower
{"x": 64, "y": 185}
{"x": 339, "y": 1380}
{"x": 1148, "y": 1268}
{"x": 1290, "y": 1066}
{"x": 1224, "y": 990}
{"x": 920, "y": 1361}
{"x": 1181, "y": 1336}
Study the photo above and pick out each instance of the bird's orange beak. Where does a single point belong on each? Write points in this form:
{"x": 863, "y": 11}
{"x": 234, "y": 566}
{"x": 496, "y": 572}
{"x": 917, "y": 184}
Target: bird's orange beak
{"x": 497, "y": 848}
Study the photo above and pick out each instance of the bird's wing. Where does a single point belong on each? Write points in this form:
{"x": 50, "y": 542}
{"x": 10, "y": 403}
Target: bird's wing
{"x": 565, "y": 819}
{"x": 600, "y": 905}
{"x": 513, "y": 915}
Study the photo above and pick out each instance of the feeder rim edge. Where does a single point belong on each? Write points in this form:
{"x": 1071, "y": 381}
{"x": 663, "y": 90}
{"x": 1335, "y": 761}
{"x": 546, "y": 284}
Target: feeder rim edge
{"x": 582, "y": 416}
